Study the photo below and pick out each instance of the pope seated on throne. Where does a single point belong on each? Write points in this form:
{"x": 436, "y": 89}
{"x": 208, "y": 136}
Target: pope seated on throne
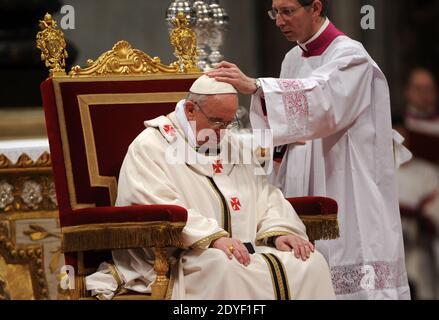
{"x": 242, "y": 239}
{"x": 143, "y": 221}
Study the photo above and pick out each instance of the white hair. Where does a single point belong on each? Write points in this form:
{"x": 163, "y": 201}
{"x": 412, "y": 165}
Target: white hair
{"x": 196, "y": 98}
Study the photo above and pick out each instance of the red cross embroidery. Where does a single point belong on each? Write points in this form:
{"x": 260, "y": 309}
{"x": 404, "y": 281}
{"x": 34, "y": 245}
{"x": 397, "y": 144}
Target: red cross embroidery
{"x": 169, "y": 130}
{"x": 218, "y": 166}
{"x": 236, "y": 204}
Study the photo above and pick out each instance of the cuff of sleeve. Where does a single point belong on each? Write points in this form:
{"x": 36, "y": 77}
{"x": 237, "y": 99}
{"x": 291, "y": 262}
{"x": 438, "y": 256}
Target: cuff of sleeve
{"x": 205, "y": 242}
{"x": 268, "y": 238}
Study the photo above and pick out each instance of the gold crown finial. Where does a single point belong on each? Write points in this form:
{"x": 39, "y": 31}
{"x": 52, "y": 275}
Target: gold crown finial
{"x": 50, "y": 40}
{"x": 184, "y": 41}
{"x": 122, "y": 59}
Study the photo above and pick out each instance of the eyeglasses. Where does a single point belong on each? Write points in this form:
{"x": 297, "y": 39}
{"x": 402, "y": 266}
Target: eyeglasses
{"x": 285, "y": 12}
{"x": 215, "y": 124}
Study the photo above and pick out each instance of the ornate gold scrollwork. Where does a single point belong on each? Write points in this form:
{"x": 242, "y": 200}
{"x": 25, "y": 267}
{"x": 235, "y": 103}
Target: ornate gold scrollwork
{"x": 161, "y": 268}
{"x": 184, "y": 41}
{"x": 26, "y": 185}
{"x": 51, "y": 42}
{"x": 24, "y": 161}
{"x": 4, "y": 293}
{"x": 122, "y": 59}
{"x": 25, "y": 255}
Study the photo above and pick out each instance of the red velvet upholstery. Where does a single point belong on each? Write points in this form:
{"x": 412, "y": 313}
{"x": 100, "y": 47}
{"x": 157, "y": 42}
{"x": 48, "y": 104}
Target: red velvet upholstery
{"x": 114, "y": 128}
{"x": 126, "y": 214}
{"x": 311, "y": 206}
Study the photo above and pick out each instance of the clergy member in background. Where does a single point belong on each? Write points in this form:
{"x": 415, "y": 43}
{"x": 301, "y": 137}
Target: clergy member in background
{"x": 418, "y": 184}
{"x": 419, "y": 179}
{"x": 333, "y": 96}
{"x": 421, "y": 95}
{"x": 243, "y": 239}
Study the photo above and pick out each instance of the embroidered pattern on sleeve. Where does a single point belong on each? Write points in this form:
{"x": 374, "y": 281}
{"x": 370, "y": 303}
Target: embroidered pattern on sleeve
{"x": 295, "y": 104}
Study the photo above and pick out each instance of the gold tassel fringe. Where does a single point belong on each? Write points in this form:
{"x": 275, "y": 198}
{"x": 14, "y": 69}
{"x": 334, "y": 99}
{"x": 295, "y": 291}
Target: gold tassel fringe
{"x": 321, "y": 227}
{"x": 122, "y": 236}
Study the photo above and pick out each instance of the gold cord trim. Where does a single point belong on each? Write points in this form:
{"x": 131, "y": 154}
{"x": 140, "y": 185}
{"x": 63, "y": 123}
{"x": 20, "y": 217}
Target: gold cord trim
{"x": 115, "y": 275}
{"x": 276, "y": 269}
{"x": 266, "y": 235}
{"x": 274, "y": 279}
{"x": 283, "y": 283}
{"x": 205, "y": 242}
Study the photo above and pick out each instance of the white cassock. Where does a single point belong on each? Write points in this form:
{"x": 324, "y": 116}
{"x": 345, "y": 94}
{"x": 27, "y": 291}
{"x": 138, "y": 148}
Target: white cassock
{"x": 222, "y": 199}
{"x": 336, "y": 98}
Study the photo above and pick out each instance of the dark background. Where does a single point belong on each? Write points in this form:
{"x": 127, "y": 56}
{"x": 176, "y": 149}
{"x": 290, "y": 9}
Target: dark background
{"x": 405, "y": 37}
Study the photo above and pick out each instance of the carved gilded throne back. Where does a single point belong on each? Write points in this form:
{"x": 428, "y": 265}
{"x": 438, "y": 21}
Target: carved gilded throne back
{"x": 92, "y": 115}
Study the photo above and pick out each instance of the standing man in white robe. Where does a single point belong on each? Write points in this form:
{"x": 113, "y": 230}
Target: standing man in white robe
{"x": 331, "y": 108}
{"x": 231, "y": 212}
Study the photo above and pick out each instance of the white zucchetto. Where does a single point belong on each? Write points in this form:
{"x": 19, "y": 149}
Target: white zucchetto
{"x": 209, "y": 86}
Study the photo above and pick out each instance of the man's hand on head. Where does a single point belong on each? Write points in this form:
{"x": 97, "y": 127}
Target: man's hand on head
{"x": 302, "y": 249}
{"x": 233, "y": 248}
{"x": 229, "y": 73}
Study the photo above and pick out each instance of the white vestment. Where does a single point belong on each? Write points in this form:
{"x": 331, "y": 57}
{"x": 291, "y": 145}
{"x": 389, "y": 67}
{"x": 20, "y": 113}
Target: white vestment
{"x": 338, "y": 102}
{"x": 222, "y": 199}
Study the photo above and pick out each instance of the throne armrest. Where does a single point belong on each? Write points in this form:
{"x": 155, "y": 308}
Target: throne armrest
{"x": 106, "y": 228}
{"x": 319, "y": 215}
